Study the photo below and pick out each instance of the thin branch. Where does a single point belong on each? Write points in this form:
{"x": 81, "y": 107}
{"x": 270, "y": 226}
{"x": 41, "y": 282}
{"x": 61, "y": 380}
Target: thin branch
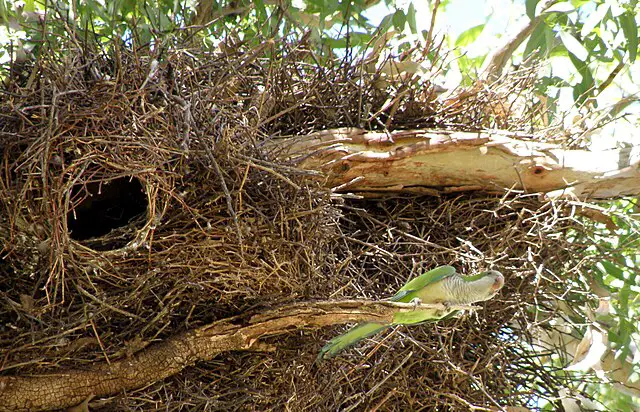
{"x": 611, "y": 77}
{"x": 431, "y": 26}
{"x": 227, "y": 194}
{"x": 496, "y": 61}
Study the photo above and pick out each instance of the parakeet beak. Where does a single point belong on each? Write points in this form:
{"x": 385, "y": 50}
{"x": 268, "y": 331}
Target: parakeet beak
{"x": 498, "y": 283}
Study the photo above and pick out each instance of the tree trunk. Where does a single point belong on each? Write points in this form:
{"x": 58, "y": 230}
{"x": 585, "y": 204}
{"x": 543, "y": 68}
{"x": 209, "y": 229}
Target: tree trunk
{"x": 436, "y": 162}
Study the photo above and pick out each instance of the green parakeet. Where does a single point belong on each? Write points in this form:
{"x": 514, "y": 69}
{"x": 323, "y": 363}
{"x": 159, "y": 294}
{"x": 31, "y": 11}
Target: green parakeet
{"x": 440, "y": 285}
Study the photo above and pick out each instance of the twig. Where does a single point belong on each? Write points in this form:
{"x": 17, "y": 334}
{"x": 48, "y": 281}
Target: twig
{"x": 107, "y": 305}
{"x": 611, "y": 76}
{"x": 227, "y": 196}
{"x": 495, "y": 62}
{"x": 478, "y": 384}
{"x": 273, "y": 172}
{"x": 431, "y": 26}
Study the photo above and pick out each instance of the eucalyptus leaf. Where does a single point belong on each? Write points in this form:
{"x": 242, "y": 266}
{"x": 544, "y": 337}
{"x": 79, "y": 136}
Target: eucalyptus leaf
{"x": 411, "y": 18}
{"x": 594, "y": 19}
{"x": 469, "y": 36}
{"x": 399, "y": 20}
{"x": 574, "y": 46}
{"x": 562, "y": 7}
{"x": 530, "y": 6}
{"x": 629, "y": 26}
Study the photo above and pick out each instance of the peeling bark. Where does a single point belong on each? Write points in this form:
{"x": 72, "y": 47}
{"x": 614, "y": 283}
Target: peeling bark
{"x": 71, "y": 387}
{"x": 436, "y": 162}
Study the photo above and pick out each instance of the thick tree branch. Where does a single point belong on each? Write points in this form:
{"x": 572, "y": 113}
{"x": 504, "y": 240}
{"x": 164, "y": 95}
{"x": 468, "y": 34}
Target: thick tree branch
{"x": 437, "y": 161}
{"x": 71, "y": 387}
{"x": 496, "y": 61}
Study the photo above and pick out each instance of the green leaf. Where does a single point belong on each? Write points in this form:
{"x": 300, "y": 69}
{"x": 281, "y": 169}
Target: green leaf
{"x": 563, "y": 7}
{"x": 580, "y": 3}
{"x": 411, "y": 18}
{"x": 612, "y": 269}
{"x": 30, "y": 6}
{"x": 537, "y": 41}
{"x": 623, "y": 307}
{"x": 260, "y": 8}
{"x": 469, "y": 36}
{"x": 355, "y": 39}
{"x": 340, "y": 43}
{"x": 574, "y": 46}
{"x": 399, "y": 20}
{"x": 594, "y": 19}
{"x": 613, "y": 336}
{"x": 531, "y": 8}
{"x": 4, "y": 13}
{"x": 469, "y": 65}
{"x": 626, "y": 329}
{"x": 385, "y": 23}
{"x": 628, "y": 23}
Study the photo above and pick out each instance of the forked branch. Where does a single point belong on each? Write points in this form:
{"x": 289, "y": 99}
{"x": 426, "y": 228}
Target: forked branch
{"x": 71, "y": 387}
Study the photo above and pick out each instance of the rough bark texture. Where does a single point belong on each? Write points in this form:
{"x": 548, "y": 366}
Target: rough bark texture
{"x": 434, "y": 162}
{"x": 68, "y": 388}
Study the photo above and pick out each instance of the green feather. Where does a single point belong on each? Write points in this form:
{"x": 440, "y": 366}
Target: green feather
{"x": 353, "y": 336}
{"x": 473, "y": 278}
{"x": 414, "y": 317}
{"x": 425, "y": 287}
{"x": 432, "y": 276}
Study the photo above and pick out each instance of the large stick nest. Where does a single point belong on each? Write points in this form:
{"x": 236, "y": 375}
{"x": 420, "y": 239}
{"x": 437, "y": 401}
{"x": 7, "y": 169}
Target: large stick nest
{"x": 137, "y": 202}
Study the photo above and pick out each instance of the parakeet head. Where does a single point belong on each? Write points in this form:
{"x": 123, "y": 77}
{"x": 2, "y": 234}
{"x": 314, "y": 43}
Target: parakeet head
{"x": 484, "y": 285}
{"x": 476, "y": 288}
{"x": 494, "y": 281}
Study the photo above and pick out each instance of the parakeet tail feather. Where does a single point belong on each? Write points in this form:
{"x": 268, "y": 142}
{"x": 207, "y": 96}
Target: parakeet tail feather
{"x": 353, "y": 336}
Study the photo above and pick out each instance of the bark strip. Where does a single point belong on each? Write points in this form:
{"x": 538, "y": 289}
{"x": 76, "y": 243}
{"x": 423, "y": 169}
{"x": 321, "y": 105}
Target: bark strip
{"x": 436, "y": 161}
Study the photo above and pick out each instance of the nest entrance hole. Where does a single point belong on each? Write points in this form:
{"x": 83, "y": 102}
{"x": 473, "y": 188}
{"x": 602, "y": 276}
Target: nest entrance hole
{"x": 102, "y": 207}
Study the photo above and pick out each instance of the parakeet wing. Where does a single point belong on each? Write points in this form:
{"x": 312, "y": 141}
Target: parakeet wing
{"x": 421, "y": 281}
